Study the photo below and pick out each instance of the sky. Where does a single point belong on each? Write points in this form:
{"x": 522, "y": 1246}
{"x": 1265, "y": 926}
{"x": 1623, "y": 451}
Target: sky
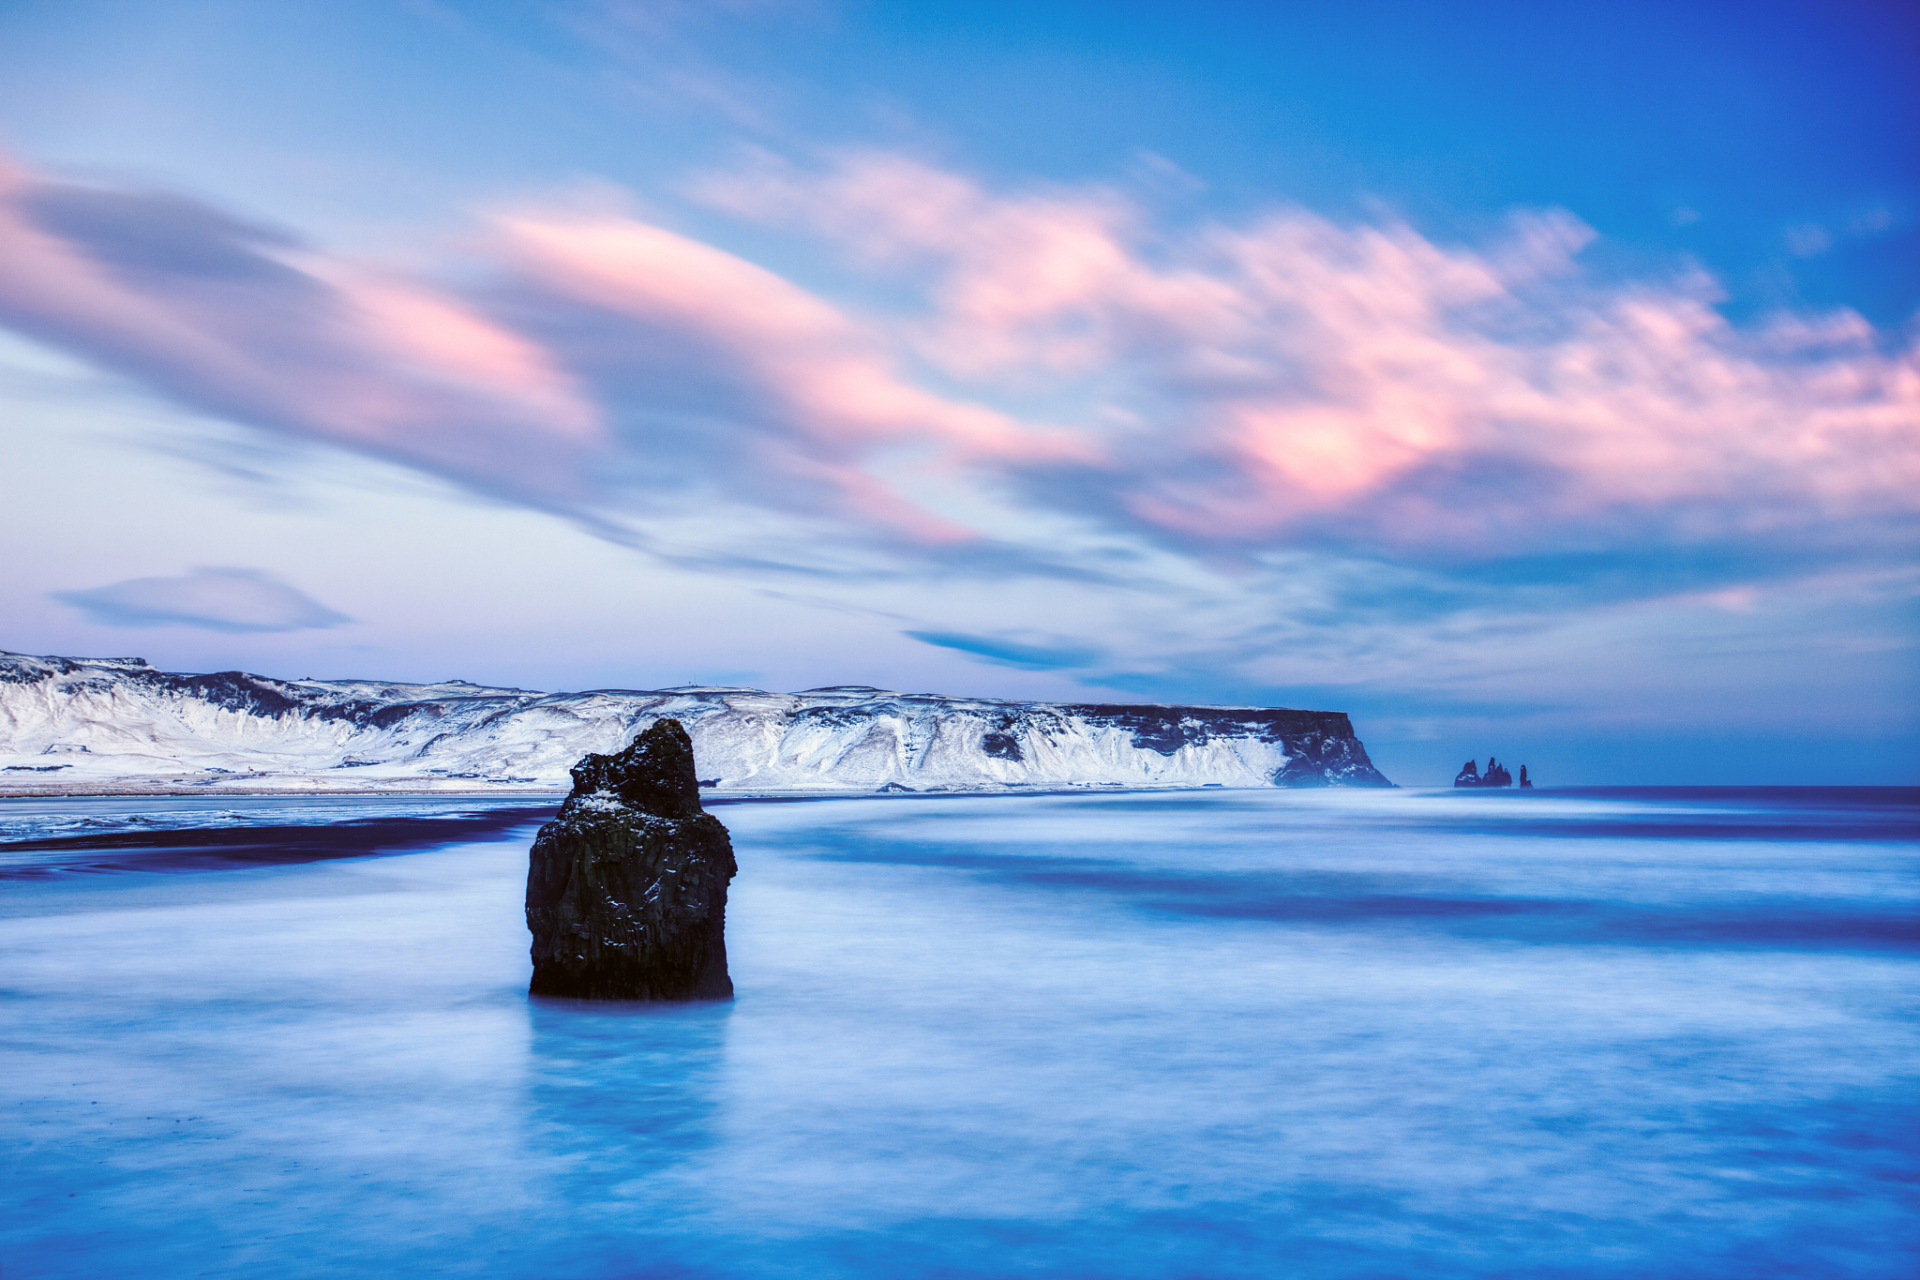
{"x": 1540, "y": 381}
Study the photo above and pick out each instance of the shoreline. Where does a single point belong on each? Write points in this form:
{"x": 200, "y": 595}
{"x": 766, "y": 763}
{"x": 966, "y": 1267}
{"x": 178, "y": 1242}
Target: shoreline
{"x": 560, "y": 793}
{"x": 1676, "y": 790}
{"x": 135, "y": 793}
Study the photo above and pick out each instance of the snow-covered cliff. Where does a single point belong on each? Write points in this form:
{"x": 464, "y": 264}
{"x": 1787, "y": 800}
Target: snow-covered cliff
{"x": 103, "y": 724}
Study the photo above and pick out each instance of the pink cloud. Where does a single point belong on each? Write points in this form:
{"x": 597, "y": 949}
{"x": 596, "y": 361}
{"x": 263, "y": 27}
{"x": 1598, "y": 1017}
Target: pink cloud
{"x": 238, "y": 321}
{"x": 829, "y": 392}
{"x": 836, "y": 373}
{"x": 235, "y": 321}
{"x": 1228, "y": 386}
{"x": 1300, "y": 371}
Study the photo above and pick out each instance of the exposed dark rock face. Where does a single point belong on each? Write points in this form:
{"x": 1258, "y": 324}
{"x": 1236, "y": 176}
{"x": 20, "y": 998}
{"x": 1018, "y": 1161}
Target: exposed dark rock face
{"x": 1495, "y": 776}
{"x": 627, "y": 887}
{"x": 1525, "y": 781}
{"x": 1002, "y": 746}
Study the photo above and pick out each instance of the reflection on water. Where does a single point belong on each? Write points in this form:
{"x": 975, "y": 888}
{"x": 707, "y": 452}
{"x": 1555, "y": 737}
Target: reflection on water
{"x": 1230, "y": 1034}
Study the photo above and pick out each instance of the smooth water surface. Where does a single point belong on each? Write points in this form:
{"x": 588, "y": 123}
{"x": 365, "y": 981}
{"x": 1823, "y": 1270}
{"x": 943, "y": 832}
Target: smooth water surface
{"x": 1218, "y": 1034}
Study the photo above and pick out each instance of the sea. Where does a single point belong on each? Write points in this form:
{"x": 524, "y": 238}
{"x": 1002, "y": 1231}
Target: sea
{"x": 1560, "y": 1033}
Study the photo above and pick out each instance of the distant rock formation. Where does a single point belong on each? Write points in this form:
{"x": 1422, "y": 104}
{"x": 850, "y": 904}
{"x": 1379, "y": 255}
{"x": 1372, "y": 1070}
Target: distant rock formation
{"x": 1525, "y": 781}
{"x": 1495, "y": 776}
{"x": 627, "y": 887}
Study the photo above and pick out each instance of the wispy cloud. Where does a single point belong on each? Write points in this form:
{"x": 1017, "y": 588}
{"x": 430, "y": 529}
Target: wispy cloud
{"x": 1808, "y": 240}
{"x": 790, "y": 395}
{"x": 233, "y": 600}
{"x": 1294, "y": 377}
{"x": 1010, "y": 653}
{"x": 1056, "y": 384}
{"x": 245, "y": 322}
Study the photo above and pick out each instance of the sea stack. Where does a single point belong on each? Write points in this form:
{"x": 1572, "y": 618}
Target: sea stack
{"x": 627, "y": 887}
{"x": 1495, "y": 776}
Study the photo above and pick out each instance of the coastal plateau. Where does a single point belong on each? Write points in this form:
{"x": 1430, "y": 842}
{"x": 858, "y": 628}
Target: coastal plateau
{"x": 79, "y": 725}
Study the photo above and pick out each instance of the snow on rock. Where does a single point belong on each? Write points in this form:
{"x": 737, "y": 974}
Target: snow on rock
{"x": 104, "y": 724}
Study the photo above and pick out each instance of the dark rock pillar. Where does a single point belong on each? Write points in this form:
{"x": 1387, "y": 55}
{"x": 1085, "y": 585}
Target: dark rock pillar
{"x": 627, "y": 887}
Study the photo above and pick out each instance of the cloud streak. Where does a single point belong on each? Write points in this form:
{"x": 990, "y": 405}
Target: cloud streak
{"x": 1052, "y": 372}
{"x": 804, "y": 392}
{"x": 1292, "y": 376}
{"x": 1009, "y": 653}
{"x": 230, "y": 600}
{"x": 243, "y": 322}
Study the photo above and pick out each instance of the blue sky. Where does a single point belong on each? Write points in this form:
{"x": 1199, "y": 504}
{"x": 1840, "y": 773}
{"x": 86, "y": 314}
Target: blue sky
{"x": 1537, "y": 380}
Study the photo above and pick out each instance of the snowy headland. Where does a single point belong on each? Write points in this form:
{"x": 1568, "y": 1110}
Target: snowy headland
{"x": 118, "y": 726}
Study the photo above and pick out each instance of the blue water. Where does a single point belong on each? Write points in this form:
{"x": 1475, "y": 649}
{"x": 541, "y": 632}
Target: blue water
{"x": 1223, "y": 1034}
